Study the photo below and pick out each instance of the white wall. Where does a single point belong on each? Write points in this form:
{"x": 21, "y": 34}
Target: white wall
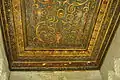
{"x": 113, "y": 52}
{"x": 56, "y": 75}
{"x": 4, "y": 70}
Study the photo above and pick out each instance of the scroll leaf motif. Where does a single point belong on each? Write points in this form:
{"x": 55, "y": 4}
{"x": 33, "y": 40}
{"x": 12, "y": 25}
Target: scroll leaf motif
{"x": 59, "y": 22}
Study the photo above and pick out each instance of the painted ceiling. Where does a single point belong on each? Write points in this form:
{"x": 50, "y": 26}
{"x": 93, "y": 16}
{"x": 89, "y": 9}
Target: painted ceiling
{"x": 58, "y": 34}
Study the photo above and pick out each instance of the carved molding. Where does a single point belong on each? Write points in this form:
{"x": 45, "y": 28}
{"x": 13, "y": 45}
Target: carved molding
{"x": 58, "y": 34}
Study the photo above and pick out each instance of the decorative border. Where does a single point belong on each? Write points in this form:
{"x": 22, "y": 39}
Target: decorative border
{"x": 20, "y": 59}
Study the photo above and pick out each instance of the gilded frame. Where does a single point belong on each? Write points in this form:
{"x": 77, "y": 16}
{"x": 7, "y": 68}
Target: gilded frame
{"x": 20, "y": 58}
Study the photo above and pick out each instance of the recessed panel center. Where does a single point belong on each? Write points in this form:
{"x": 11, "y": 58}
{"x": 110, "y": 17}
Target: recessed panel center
{"x": 59, "y": 24}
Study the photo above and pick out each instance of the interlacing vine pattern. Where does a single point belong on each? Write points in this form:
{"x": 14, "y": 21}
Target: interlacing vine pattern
{"x": 58, "y": 34}
{"x": 59, "y": 23}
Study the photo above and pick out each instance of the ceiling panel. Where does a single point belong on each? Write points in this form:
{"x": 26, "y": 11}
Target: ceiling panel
{"x": 58, "y": 34}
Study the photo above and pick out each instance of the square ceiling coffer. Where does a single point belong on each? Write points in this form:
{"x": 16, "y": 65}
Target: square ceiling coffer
{"x": 58, "y": 34}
